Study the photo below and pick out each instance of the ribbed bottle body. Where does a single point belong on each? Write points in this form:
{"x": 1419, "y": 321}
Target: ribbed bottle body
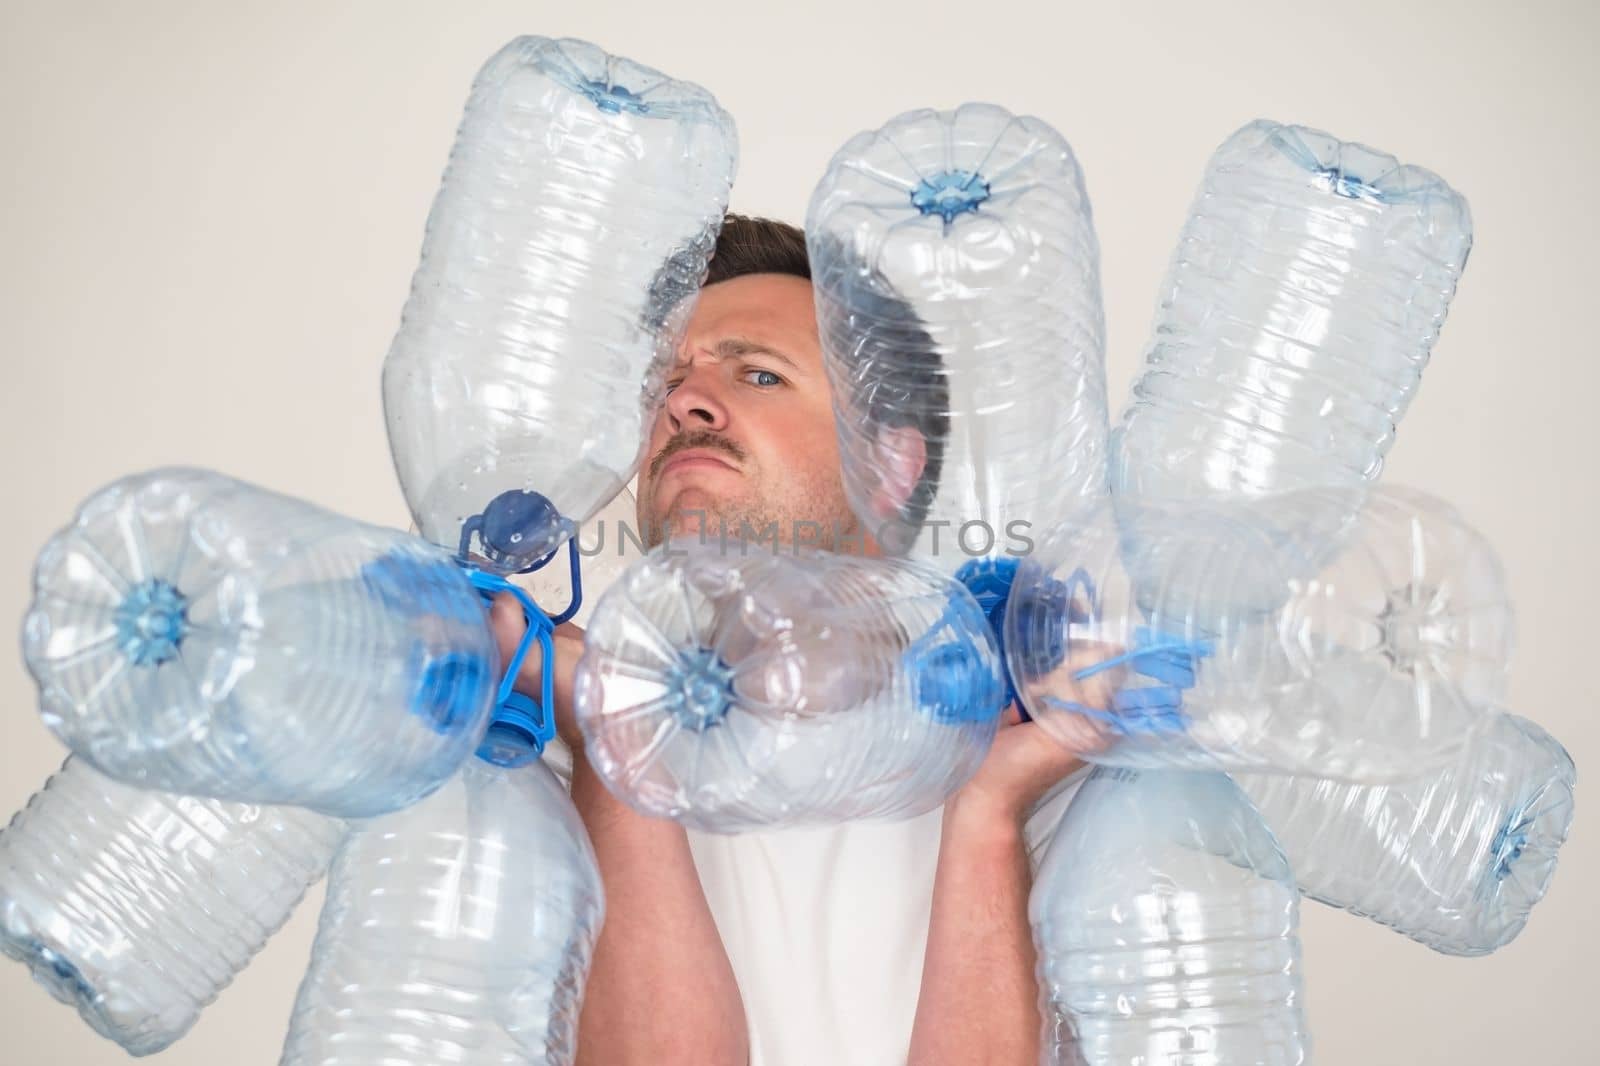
{"x": 139, "y": 907}
{"x": 458, "y": 930}
{"x": 568, "y": 238}
{"x": 1308, "y": 287}
{"x": 196, "y": 634}
{"x": 1166, "y": 924}
{"x": 1456, "y": 859}
{"x": 957, "y": 283}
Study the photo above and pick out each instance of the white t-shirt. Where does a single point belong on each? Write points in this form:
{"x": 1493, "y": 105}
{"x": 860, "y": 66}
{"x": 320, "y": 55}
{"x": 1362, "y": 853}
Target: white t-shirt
{"x": 825, "y": 928}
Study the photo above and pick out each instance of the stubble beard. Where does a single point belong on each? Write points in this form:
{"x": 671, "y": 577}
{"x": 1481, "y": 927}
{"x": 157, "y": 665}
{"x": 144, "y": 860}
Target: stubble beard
{"x": 811, "y": 517}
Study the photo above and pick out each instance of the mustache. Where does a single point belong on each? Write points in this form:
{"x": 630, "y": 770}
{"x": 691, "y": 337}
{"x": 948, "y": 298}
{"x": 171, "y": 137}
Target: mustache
{"x": 707, "y": 440}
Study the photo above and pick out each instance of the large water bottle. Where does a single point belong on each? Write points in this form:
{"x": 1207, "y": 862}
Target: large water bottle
{"x": 1455, "y": 859}
{"x": 1308, "y": 286}
{"x": 580, "y": 205}
{"x": 195, "y": 634}
{"x": 1243, "y": 637}
{"x": 741, "y": 690}
{"x": 957, "y": 285}
{"x": 1166, "y": 923}
{"x": 139, "y": 907}
{"x": 459, "y": 930}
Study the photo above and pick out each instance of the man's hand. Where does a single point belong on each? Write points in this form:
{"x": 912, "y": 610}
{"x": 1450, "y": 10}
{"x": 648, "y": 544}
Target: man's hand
{"x": 1027, "y": 758}
{"x": 1022, "y": 764}
{"x": 505, "y": 618}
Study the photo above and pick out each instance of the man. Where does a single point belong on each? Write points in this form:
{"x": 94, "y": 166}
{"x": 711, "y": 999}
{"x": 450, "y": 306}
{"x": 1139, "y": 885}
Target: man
{"x": 798, "y": 947}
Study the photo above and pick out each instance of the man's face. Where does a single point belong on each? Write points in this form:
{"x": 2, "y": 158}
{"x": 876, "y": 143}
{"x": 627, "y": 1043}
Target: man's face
{"x": 744, "y": 443}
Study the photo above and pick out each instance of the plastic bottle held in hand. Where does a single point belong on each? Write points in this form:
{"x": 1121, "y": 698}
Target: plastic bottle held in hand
{"x": 580, "y": 205}
{"x": 457, "y": 930}
{"x": 1167, "y": 924}
{"x": 139, "y": 907}
{"x": 1307, "y": 289}
{"x": 195, "y": 634}
{"x": 741, "y": 689}
{"x": 1243, "y": 638}
{"x": 1455, "y": 859}
{"x": 957, "y": 285}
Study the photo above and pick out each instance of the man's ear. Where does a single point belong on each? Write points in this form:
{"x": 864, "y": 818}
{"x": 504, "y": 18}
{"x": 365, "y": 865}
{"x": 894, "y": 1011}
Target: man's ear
{"x": 900, "y": 453}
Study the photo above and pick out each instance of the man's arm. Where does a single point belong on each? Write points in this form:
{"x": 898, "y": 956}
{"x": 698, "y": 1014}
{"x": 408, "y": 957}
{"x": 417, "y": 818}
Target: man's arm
{"x": 979, "y": 998}
{"x": 661, "y": 990}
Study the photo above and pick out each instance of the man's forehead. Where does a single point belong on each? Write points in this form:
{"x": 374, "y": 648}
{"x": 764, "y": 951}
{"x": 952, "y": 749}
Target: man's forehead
{"x": 757, "y": 314}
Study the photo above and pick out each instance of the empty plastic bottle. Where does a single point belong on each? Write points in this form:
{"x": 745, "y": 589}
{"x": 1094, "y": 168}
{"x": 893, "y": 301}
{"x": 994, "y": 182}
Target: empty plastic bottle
{"x": 459, "y": 930}
{"x": 733, "y": 690}
{"x": 1307, "y": 289}
{"x": 580, "y": 205}
{"x": 1167, "y": 928}
{"x": 195, "y": 634}
{"x": 1243, "y": 641}
{"x": 957, "y": 285}
{"x": 1455, "y": 859}
{"x": 139, "y": 907}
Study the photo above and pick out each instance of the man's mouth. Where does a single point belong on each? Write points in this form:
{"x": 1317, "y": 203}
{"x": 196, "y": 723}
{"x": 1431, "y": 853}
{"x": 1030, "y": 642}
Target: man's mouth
{"x": 692, "y": 459}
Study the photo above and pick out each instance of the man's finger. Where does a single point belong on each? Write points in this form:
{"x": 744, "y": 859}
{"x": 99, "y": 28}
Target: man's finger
{"x": 507, "y": 624}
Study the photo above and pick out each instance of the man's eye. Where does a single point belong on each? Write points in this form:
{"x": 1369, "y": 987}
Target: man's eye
{"x": 776, "y": 380}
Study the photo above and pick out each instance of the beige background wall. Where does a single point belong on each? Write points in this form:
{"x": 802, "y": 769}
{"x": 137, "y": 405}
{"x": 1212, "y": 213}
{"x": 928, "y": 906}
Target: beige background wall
{"x": 211, "y": 212}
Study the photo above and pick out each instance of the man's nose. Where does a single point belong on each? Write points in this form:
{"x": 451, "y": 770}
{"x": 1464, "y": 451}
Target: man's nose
{"x": 696, "y": 402}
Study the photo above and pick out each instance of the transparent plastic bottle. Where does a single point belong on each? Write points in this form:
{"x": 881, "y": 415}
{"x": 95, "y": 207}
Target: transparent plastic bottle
{"x": 139, "y": 907}
{"x": 459, "y": 930}
{"x": 1166, "y": 924}
{"x": 744, "y": 689}
{"x": 1307, "y": 289}
{"x": 572, "y": 228}
{"x": 1456, "y": 859}
{"x": 957, "y": 285}
{"x": 195, "y": 634}
{"x": 1245, "y": 638}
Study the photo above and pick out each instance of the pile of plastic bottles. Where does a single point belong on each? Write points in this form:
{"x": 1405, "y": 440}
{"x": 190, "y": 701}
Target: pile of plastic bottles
{"x": 1306, "y": 667}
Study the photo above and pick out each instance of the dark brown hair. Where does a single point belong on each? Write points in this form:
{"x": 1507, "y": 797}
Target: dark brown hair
{"x": 750, "y": 245}
{"x": 907, "y": 373}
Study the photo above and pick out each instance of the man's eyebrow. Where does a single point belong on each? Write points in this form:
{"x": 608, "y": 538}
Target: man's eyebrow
{"x": 735, "y": 347}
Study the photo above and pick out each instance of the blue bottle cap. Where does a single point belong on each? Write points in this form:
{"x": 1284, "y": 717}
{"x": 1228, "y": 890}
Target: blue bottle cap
{"x": 152, "y": 621}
